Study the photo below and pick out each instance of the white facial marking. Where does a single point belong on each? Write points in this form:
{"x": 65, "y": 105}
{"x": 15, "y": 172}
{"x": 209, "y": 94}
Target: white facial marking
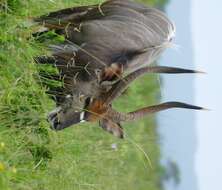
{"x": 82, "y": 115}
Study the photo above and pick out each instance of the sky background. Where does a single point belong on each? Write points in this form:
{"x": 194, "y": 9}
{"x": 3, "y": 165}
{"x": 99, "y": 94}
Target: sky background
{"x": 207, "y": 39}
{"x": 190, "y": 138}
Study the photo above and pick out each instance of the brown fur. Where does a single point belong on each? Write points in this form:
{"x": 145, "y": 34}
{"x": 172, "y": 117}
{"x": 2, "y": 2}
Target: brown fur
{"x": 96, "y": 110}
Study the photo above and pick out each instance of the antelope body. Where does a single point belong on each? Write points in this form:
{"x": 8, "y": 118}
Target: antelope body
{"x": 106, "y": 47}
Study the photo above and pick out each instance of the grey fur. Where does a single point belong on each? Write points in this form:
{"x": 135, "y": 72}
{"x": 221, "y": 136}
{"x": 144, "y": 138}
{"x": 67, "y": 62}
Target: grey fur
{"x": 103, "y": 44}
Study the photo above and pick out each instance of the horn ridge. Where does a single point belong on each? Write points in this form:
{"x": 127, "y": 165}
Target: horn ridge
{"x": 122, "y": 84}
{"x": 140, "y": 113}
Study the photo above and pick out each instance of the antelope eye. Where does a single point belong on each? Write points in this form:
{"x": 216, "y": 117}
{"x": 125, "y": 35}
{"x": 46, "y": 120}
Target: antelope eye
{"x": 87, "y": 102}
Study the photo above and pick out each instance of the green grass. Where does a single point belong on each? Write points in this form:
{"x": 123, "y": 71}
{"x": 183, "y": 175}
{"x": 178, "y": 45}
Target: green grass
{"x": 33, "y": 157}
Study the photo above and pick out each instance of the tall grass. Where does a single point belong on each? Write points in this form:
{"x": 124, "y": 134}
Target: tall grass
{"x": 32, "y": 157}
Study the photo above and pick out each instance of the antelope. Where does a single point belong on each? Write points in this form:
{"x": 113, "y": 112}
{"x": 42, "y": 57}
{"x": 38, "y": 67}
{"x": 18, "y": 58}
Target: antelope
{"x": 106, "y": 48}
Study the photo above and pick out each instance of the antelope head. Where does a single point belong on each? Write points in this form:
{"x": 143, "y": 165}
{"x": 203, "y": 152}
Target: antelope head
{"x": 99, "y": 109}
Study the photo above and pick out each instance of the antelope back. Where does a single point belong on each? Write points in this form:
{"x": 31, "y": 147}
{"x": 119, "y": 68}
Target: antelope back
{"x": 117, "y": 31}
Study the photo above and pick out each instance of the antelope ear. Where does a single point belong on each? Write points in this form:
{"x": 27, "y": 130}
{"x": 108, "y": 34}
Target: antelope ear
{"x": 113, "y": 128}
{"x": 111, "y": 73}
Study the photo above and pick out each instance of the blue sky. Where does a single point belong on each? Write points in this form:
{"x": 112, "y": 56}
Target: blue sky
{"x": 194, "y": 139}
{"x": 206, "y": 19}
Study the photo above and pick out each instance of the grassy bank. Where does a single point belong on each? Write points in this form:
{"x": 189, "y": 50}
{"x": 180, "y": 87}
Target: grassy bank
{"x": 32, "y": 157}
